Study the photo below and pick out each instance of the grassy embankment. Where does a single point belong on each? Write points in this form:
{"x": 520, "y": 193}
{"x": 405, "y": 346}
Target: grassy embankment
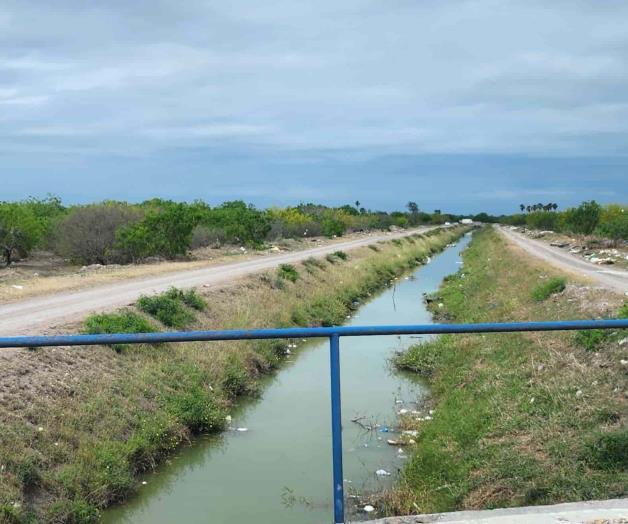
{"x": 519, "y": 419}
{"x": 76, "y": 446}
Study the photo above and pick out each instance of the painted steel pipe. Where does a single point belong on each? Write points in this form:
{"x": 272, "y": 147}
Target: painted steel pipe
{"x": 342, "y": 331}
{"x": 334, "y": 334}
{"x": 336, "y": 430}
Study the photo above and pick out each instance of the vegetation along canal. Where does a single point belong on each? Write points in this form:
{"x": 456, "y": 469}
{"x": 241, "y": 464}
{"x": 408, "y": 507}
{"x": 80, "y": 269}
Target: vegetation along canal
{"x": 275, "y": 463}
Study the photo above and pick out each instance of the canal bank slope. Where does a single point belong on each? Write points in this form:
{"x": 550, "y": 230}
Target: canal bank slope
{"x": 79, "y": 424}
{"x": 524, "y": 418}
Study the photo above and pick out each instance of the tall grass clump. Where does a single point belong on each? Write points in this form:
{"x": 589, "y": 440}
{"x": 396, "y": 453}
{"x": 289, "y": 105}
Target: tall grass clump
{"x": 311, "y": 264}
{"x": 170, "y": 311}
{"x": 189, "y": 297}
{"x": 546, "y": 289}
{"x": 288, "y": 272}
{"x": 124, "y": 321}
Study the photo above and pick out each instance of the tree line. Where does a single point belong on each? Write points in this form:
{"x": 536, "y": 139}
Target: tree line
{"x": 589, "y": 218}
{"x": 552, "y": 206}
{"x": 121, "y": 232}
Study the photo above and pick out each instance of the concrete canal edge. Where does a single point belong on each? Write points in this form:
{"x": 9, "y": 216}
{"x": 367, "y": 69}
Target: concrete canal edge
{"x": 613, "y": 511}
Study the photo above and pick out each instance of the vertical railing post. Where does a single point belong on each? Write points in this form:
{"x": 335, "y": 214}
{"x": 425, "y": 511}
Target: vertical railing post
{"x": 336, "y": 429}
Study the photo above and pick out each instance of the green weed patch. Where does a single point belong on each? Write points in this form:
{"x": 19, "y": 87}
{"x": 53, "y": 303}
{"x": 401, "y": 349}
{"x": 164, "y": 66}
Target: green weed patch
{"x": 124, "y": 321}
{"x": 169, "y": 308}
{"x": 288, "y": 272}
{"x": 547, "y": 289}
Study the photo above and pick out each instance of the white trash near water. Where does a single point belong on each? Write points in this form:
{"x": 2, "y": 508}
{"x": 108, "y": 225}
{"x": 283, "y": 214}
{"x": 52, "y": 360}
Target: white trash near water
{"x": 382, "y": 473}
{"x": 368, "y": 508}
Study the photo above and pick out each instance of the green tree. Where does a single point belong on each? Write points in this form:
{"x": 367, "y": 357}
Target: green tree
{"x": 19, "y": 230}
{"x": 584, "y": 218}
{"x": 331, "y": 226}
{"x": 241, "y": 223}
{"x": 613, "y": 223}
{"x": 166, "y": 230}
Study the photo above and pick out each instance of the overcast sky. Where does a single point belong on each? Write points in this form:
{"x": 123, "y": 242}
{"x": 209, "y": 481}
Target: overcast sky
{"x": 459, "y": 105}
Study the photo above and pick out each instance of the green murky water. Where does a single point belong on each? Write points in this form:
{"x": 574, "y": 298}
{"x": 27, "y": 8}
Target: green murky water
{"x": 279, "y": 470}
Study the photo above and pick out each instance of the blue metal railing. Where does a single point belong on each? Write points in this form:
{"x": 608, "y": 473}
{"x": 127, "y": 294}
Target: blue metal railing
{"x": 334, "y": 334}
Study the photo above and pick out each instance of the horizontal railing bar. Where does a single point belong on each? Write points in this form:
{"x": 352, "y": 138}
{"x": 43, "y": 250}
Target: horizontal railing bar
{"x": 343, "y": 331}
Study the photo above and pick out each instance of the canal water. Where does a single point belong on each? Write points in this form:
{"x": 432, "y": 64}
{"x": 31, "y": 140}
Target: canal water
{"x": 277, "y": 467}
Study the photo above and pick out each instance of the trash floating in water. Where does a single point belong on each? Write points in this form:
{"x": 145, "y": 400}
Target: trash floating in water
{"x": 368, "y": 508}
{"x": 144, "y": 483}
{"x": 384, "y": 429}
{"x": 402, "y": 411}
{"x": 228, "y": 418}
{"x": 242, "y": 430}
{"x": 382, "y": 473}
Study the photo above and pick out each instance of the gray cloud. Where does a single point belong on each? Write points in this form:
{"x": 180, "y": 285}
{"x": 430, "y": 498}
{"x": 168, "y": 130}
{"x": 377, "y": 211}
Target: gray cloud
{"x": 140, "y": 79}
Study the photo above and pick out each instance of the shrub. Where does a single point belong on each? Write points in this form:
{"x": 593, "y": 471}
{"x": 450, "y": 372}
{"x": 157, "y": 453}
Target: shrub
{"x": 373, "y": 247}
{"x": 125, "y": 321}
{"x": 542, "y": 220}
{"x": 615, "y": 229}
{"x": 546, "y": 289}
{"x": 332, "y": 227}
{"x": 166, "y": 230}
{"x": 88, "y": 233}
{"x": 582, "y": 219}
{"x": 341, "y": 255}
{"x": 205, "y": 236}
{"x": 288, "y": 272}
{"x": 169, "y": 311}
{"x": 240, "y": 222}
{"x": 19, "y": 230}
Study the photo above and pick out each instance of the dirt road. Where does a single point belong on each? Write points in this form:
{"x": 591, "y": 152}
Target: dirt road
{"x": 40, "y": 314}
{"x": 613, "y": 279}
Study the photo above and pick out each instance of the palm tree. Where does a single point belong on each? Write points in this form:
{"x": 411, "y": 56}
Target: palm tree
{"x": 522, "y": 207}
{"x": 528, "y": 208}
{"x": 554, "y": 206}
